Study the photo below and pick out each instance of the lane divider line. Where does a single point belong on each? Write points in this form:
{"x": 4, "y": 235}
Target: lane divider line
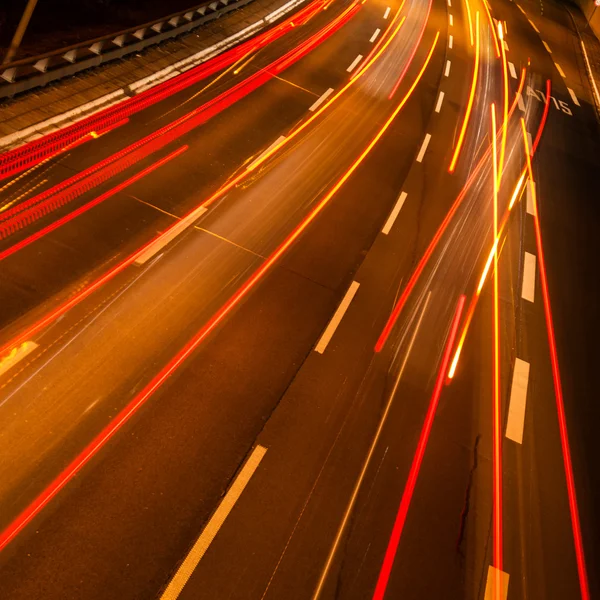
{"x": 573, "y": 96}
{"x": 447, "y": 69}
{"x": 451, "y": 20}
{"x": 278, "y": 141}
{"x": 505, "y": 44}
{"x": 375, "y": 35}
{"x": 513, "y": 71}
{"x": 213, "y": 526}
{"x": 450, "y": 41}
{"x": 438, "y": 105}
{"x": 532, "y": 23}
{"x": 491, "y": 582}
{"x": 449, "y": 2}
{"x": 423, "y": 147}
{"x": 530, "y": 142}
{"x": 354, "y": 63}
{"x": 528, "y": 286}
{"x": 530, "y": 195}
{"x": 314, "y": 107}
{"x": 386, "y": 14}
{"x": 561, "y": 72}
{"x": 337, "y": 317}
{"x": 517, "y": 402}
{"x": 394, "y": 214}
{"x": 521, "y": 103}
{"x": 547, "y": 47}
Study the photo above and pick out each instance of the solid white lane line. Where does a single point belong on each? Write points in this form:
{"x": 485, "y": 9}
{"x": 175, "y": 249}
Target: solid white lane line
{"x": 546, "y": 46}
{"x": 194, "y": 556}
{"x": 450, "y": 40}
{"x": 530, "y": 144}
{"x": 518, "y": 399}
{"x": 505, "y": 44}
{"x": 451, "y": 20}
{"x": 490, "y": 584}
{"x": 533, "y": 25}
{"x": 447, "y": 71}
{"x": 375, "y": 34}
{"x": 562, "y": 73}
{"x": 513, "y": 71}
{"x": 317, "y": 103}
{"x": 528, "y": 289}
{"x": 337, "y": 318}
{"x": 521, "y": 103}
{"x": 386, "y": 14}
{"x": 423, "y": 147}
{"x": 438, "y": 105}
{"x": 169, "y": 236}
{"x": 449, "y": 2}
{"x": 354, "y": 63}
{"x": 573, "y": 96}
{"x": 530, "y": 190}
{"x": 394, "y": 214}
{"x": 16, "y": 355}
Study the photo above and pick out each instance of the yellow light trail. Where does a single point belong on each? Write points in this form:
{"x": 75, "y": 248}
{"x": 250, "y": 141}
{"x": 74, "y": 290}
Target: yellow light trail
{"x": 505, "y": 108}
{"x": 463, "y": 129}
{"x": 470, "y": 21}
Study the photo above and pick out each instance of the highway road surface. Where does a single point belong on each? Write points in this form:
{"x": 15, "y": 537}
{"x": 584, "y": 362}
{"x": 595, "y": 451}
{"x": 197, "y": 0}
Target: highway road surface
{"x": 316, "y": 319}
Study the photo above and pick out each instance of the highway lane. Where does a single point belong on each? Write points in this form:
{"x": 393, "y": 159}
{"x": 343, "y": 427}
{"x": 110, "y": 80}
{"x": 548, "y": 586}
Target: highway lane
{"x": 64, "y": 325}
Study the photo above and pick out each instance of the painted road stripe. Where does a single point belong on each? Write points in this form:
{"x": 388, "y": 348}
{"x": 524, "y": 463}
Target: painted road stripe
{"x": 423, "y": 148}
{"x": 505, "y": 44}
{"x": 521, "y": 9}
{"x": 16, "y": 355}
{"x": 278, "y": 141}
{"x": 199, "y": 549}
{"x": 394, "y": 214}
{"x": 438, "y": 105}
{"x": 386, "y": 14}
{"x": 449, "y": 2}
{"x": 513, "y": 71}
{"x": 450, "y": 41}
{"x": 354, "y": 63}
{"x": 546, "y": 46}
{"x": 337, "y": 317}
{"x": 521, "y": 103}
{"x": 316, "y": 105}
{"x": 528, "y": 289}
{"x": 562, "y": 73}
{"x": 518, "y": 398}
{"x": 530, "y": 144}
{"x": 451, "y": 20}
{"x": 375, "y": 34}
{"x": 532, "y": 24}
{"x": 573, "y": 96}
{"x": 169, "y": 236}
{"x": 490, "y": 584}
{"x": 530, "y": 190}
{"x": 447, "y": 71}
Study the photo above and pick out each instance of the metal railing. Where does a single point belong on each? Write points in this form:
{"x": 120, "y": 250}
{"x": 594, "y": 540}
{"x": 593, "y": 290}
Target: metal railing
{"x": 22, "y": 75}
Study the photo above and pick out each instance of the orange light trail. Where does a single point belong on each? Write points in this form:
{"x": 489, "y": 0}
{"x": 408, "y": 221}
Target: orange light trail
{"x": 470, "y": 20}
{"x": 560, "y": 408}
{"x": 463, "y": 129}
{"x": 494, "y": 36}
{"x": 25, "y": 517}
{"x": 497, "y": 414}
{"x": 519, "y": 92}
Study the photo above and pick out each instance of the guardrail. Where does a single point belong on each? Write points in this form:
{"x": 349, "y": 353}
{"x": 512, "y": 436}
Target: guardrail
{"x": 25, "y": 74}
